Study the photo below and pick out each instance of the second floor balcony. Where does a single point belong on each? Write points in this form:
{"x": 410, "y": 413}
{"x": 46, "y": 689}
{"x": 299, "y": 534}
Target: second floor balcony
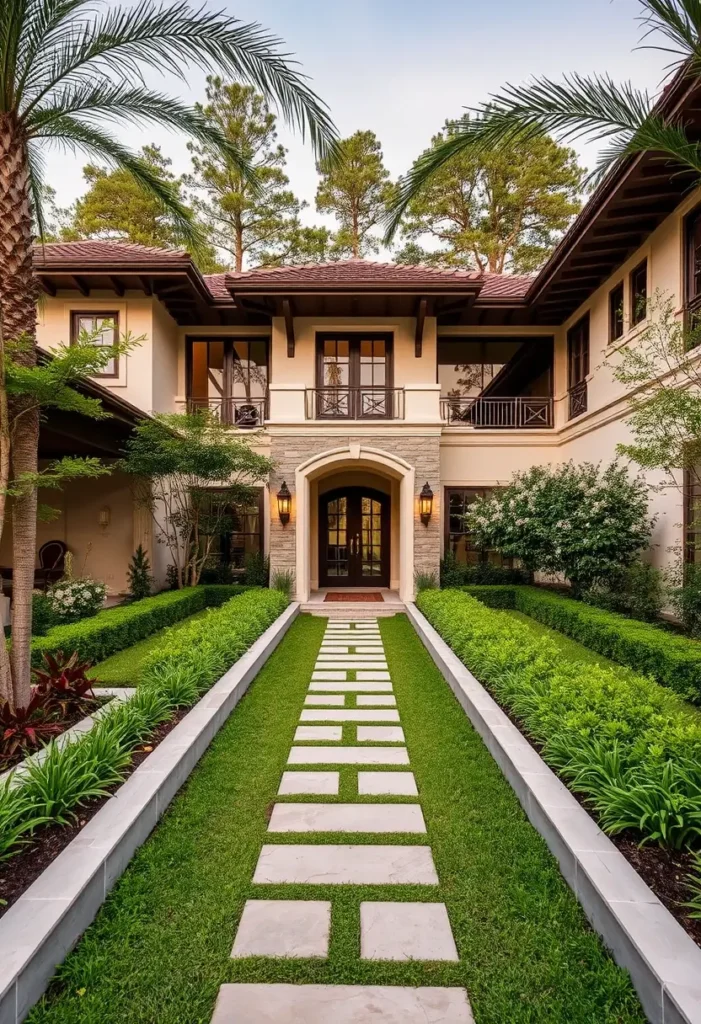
{"x": 354, "y": 403}
{"x": 245, "y": 413}
{"x": 521, "y": 412}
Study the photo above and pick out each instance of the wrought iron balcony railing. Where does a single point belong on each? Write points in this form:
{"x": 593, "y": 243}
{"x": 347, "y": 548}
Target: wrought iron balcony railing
{"x": 520, "y": 413}
{"x": 578, "y": 399}
{"x": 359, "y": 403}
{"x": 246, "y": 413}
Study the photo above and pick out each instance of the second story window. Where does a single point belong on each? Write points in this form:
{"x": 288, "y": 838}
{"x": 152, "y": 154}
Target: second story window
{"x": 229, "y": 376}
{"x": 354, "y": 377}
{"x": 692, "y": 277}
{"x": 578, "y": 366}
{"x": 104, "y": 330}
{"x": 638, "y": 293}
{"x": 616, "y": 325}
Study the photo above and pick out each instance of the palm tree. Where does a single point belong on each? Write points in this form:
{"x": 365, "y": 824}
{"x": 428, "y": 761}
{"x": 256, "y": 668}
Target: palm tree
{"x": 70, "y": 72}
{"x": 579, "y": 107}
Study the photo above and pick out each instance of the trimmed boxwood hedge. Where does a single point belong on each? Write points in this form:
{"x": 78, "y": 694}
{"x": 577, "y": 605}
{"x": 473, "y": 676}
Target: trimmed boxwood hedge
{"x": 671, "y": 659}
{"x": 114, "y": 629}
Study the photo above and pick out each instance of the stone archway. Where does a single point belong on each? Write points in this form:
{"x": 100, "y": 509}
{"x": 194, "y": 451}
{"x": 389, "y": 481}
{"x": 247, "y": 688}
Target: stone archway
{"x": 355, "y": 457}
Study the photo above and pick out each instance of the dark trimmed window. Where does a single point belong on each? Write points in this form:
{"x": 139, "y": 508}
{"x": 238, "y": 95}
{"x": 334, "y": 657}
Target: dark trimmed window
{"x": 638, "y": 293}
{"x": 578, "y": 366}
{"x": 244, "y": 535}
{"x": 616, "y": 325}
{"x": 692, "y": 275}
{"x": 104, "y": 327}
{"x": 692, "y": 517}
{"x": 229, "y": 376}
{"x": 459, "y": 541}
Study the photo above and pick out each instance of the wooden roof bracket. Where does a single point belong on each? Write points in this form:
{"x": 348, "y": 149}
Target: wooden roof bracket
{"x": 288, "y": 314}
{"x": 421, "y": 307}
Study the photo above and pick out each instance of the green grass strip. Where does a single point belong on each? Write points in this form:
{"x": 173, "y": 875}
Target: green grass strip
{"x": 124, "y": 668}
{"x": 160, "y": 947}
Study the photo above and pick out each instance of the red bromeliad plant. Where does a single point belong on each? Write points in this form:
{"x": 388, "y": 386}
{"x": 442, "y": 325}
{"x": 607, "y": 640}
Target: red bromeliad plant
{"x": 26, "y": 729}
{"x": 64, "y": 683}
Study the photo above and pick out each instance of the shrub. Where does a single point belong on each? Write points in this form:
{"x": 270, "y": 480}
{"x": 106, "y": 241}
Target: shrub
{"x": 284, "y": 581}
{"x": 629, "y": 746}
{"x": 139, "y": 578}
{"x": 114, "y": 629}
{"x": 637, "y": 591}
{"x": 64, "y": 684}
{"x": 23, "y": 730}
{"x": 74, "y": 599}
{"x": 494, "y": 597}
{"x": 256, "y": 570}
{"x": 457, "y": 574}
{"x": 425, "y": 581}
{"x": 578, "y": 520}
{"x": 685, "y": 595}
{"x": 43, "y": 615}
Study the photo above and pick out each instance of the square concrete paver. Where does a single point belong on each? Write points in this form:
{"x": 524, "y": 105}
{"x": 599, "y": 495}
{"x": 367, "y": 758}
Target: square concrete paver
{"x": 283, "y": 928}
{"x": 380, "y": 734}
{"x": 387, "y": 784}
{"x": 333, "y": 733}
{"x": 340, "y": 1004}
{"x": 309, "y": 783}
{"x": 406, "y": 931}
{"x": 364, "y": 700}
{"x": 377, "y": 818}
{"x": 352, "y": 864}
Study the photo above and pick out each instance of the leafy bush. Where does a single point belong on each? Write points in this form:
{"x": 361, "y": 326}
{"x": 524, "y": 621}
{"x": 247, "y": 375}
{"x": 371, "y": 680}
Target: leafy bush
{"x": 457, "y": 574}
{"x": 43, "y": 615}
{"x": 637, "y": 591}
{"x": 256, "y": 570}
{"x": 685, "y": 595}
{"x": 64, "y": 684}
{"x": 23, "y": 730}
{"x": 75, "y": 599}
{"x": 139, "y": 578}
{"x": 116, "y": 628}
{"x": 578, "y": 520}
{"x": 493, "y": 597}
{"x": 631, "y": 747}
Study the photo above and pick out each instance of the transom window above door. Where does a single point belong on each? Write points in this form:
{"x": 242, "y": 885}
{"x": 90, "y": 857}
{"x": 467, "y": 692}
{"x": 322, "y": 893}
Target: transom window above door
{"x": 229, "y": 376}
{"x": 354, "y": 378}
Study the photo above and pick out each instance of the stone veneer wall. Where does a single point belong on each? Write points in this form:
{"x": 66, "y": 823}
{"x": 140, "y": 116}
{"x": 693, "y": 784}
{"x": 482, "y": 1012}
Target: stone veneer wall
{"x": 420, "y": 451}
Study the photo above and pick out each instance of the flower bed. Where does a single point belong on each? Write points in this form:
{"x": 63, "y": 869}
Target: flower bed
{"x": 627, "y": 746}
{"x": 113, "y": 629}
{"x": 69, "y": 777}
{"x": 673, "y": 660}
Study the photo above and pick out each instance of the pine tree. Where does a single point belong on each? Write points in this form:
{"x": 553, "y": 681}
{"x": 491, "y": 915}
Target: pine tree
{"x": 139, "y": 575}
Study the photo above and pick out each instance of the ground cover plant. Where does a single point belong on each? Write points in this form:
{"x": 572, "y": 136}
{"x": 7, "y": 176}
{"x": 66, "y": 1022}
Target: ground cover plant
{"x": 161, "y": 945}
{"x": 629, "y": 747}
{"x": 68, "y": 777}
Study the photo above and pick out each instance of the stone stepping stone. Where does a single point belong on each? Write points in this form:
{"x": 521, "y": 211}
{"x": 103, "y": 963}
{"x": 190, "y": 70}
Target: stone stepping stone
{"x": 369, "y": 685}
{"x": 333, "y": 733}
{"x": 380, "y": 734}
{"x": 329, "y": 675}
{"x": 309, "y": 784}
{"x": 342, "y": 1004}
{"x": 292, "y": 864}
{"x": 376, "y": 818}
{"x": 350, "y": 664}
{"x": 340, "y": 659}
{"x": 371, "y": 700}
{"x": 349, "y": 715}
{"x": 350, "y": 649}
{"x": 348, "y": 755}
{"x": 328, "y": 700}
{"x": 387, "y": 784}
{"x": 373, "y": 674}
{"x": 406, "y": 931}
{"x": 283, "y": 928}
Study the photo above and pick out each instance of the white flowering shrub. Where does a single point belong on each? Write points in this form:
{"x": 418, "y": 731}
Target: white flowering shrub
{"x": 578, "y": 520}
{"x": 73, "y": 599}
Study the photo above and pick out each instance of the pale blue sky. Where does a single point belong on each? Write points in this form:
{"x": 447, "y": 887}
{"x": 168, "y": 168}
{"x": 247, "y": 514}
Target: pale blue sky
{"x": 400, "y": 67}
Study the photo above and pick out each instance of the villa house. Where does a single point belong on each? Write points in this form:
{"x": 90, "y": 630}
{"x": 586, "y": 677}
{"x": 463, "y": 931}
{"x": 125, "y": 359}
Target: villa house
{"x": 370, "y": 380}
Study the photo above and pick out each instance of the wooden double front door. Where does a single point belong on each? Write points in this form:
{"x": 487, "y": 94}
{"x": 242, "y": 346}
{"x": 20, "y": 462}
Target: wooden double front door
{"x": 354, "y": 531}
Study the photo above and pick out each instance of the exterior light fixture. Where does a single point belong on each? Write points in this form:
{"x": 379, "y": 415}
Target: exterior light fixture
{"x": 104, "y": 516}
{"x": 426, "y": 504}
{"x": 284, "y": 501}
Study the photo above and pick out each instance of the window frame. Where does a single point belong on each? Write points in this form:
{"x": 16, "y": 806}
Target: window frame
{"x": 228, "y": 340}
{"x": 354, "y": 338}
{"x": 614, "y": 314}
{"x": 483, "y": 553}
{"x": 582, "y": 323}
{"x": 260, "y": 533}
{"x": 76, "y": 314}
{"x": 691, "y": 537}
{"x": 692, "y": 298}
{"x": 636, "y": 316}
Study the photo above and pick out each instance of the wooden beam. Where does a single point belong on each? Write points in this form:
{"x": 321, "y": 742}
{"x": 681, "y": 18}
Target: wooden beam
{"x": 288, "y": 314}
{"x": 146, "y": 285}
{"x": 81, "y": 284}
{"x": 421, "y": 307}
{"x": 117, "y": 286}
{"x": 47, "y": 286}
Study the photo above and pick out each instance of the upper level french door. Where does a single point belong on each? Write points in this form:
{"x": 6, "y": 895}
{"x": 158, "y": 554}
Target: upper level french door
{"x": 229, "y": 376}
{"x": 354, "y": 376}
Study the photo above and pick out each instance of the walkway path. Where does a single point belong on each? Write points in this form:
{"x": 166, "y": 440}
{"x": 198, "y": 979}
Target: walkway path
{"x": 350, "y": 717}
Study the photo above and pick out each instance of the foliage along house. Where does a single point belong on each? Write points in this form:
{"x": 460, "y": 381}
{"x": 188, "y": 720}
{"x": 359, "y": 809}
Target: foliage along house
{"x": 371, "y": 380}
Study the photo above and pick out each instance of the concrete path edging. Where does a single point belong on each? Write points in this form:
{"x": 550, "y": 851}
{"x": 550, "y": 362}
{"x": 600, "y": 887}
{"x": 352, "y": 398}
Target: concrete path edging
{"x": 45, "y": 923}
{"x": 663, "y": 961}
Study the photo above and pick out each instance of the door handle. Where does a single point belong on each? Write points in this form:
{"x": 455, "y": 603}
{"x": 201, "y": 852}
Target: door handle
{"x": 357, "y": 543}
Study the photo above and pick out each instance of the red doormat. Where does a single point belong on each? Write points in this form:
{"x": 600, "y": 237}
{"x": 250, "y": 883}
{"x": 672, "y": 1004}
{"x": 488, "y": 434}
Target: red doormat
{"x": 351, "y": 596}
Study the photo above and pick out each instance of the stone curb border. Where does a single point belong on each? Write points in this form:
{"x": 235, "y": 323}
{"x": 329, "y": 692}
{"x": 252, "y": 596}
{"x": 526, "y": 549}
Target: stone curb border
{"x": 45, "y": 923}
{"x": 663, "y": 961}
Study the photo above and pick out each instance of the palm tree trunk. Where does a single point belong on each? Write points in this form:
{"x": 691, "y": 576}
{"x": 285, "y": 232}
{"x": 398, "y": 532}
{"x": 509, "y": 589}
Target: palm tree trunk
{"x": 18, "y": 296}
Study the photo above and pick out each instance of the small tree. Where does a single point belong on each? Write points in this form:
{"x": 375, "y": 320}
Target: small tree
{"x": 139, "y": 576}
{"x": 190, "y": 472}
{"x": 581, "y": 521}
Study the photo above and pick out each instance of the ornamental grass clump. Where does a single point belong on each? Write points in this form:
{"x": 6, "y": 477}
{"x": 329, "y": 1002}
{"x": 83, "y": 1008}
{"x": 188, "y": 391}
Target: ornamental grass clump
{"x": 629, "y": 746}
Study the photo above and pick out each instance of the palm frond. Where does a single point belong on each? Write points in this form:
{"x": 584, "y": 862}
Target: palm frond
{"x": 46, "y": 24}
{"x": 171, "y": 38}
{"x": 36, "y": 177}
{"x": 677, "y": 21}
{"x": 71, "y": 133}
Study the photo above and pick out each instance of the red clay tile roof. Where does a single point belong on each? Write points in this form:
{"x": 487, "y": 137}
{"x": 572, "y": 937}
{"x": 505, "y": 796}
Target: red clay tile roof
{"x": 351, "y": 272}
{"x": 506, "y": 286}
{"x": 216, "y": 285}
{"x": 90, "y": 252}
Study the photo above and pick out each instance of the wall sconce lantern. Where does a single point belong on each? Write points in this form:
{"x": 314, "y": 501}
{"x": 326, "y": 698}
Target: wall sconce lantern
{"x": 284, "y": 501}
{"x": 426, "y": 504}
{"x": 104, "y": 516}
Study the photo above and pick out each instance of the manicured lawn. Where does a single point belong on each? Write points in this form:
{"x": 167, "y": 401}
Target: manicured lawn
{"x": 123, "y": 668}
{"x": 159, "y": 949}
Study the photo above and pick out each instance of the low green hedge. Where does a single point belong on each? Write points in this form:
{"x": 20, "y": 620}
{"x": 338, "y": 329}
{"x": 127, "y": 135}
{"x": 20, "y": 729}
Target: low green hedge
{"x": 673, "y": 660}
{"x": 114, "y": 629}
{"x": 629, "y": 745}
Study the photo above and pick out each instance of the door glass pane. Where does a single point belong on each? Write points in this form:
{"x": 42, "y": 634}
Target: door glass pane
{"x": 198, "y": 380}
{"x": 250, "y": 369}
{"x": 336, "y": 538}
{"x": 334, "y": 401}
{"x": 373, "y": 377}
{"x": 215, "y": 370}
{"x": 371, "y": 537}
